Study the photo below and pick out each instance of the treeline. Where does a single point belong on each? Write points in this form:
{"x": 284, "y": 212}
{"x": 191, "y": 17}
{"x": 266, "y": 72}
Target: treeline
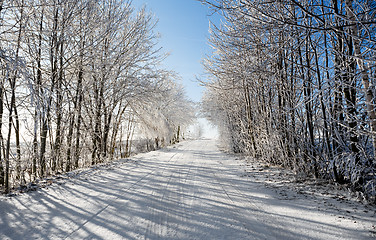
{"x": 293, "y": 82}
{"x": 78, "y": 80}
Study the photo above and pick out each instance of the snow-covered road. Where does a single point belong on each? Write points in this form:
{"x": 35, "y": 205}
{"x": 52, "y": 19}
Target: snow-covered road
{"x": 189, "y": 191}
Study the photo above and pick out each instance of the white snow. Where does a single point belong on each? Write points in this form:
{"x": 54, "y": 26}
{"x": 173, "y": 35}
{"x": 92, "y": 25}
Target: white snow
{"x": 188, "y": 191}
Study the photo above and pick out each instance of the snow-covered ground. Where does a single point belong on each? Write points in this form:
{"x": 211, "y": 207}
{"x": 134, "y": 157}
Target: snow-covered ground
{"x": 188, "y": 191}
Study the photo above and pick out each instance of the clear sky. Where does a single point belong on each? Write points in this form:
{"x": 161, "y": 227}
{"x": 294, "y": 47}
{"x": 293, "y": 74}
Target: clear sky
{"x": 183, "y": 26}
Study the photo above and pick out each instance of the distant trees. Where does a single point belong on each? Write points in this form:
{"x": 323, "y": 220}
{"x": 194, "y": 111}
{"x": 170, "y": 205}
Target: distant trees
{"x": 293, "y": 82}
{"x": 76, "y": 77}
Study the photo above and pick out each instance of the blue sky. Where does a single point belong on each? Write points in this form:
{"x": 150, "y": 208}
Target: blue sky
{"x": 183, "y": 26}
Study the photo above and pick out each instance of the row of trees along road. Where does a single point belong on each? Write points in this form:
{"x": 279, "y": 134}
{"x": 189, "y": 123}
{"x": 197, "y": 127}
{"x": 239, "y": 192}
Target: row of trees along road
{"x": 293, "y": 82}
{"x": 78, "y": 78}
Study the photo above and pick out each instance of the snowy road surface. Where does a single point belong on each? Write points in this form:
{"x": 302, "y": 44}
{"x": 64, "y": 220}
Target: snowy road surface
{"x": 189, "y": 191}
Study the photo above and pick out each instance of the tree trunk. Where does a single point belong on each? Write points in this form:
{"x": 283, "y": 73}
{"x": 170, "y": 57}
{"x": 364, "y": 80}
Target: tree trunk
{"x": 321, "y": 99}
{"x": 37, "y": 86}
{"x": 2, "y": 172}
{"x": 19, "y": 171}
{"x": 54, "y": 52}
{"x": 10, "y": 123}
{"x": 95, "y": 156}
{"x": 106, "y": 132}
{"x": 78, "y": 119}
{"x": 69, "y": 141}
{"x": 78, "y": 105}
{"x": 323, "y": 108}
{"x": 369, "y": 97}
{"x": 309, "y": 112}
{"x": 337, "y": 111}
{"x": 59, "y": 109}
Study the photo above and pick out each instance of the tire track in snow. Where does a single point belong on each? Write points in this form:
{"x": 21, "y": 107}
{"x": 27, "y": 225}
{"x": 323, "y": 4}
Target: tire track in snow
{"x": 245, "y": 212}
{"x": 127, "y": 190}
{"x": 154, "y": 225}
{"x": 170, "y": 193}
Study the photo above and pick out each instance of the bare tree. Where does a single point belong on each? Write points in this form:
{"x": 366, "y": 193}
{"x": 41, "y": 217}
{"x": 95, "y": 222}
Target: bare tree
{"x": 304, "y": 69}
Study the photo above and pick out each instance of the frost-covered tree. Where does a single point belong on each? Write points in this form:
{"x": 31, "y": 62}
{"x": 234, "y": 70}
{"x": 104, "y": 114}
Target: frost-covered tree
{"x": 292, "y": 82}
{"x": 74, "y": 76}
